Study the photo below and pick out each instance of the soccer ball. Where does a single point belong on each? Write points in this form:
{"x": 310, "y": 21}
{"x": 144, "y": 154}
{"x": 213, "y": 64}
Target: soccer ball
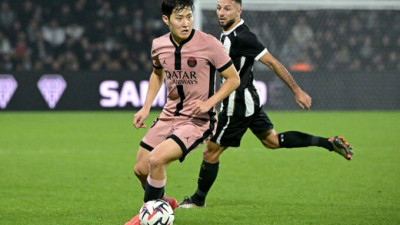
{"x": 156, "y": 212}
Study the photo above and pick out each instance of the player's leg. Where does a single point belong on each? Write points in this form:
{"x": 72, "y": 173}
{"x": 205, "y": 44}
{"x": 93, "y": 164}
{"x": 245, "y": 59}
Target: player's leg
{"x": 153, "y": 137}
{"x": 154, "y": 160}
{"x": 142, "y": 171}
{"x": 295, "y": 139}
{"x": 229, "y": 133}
{"x": 212, "y": 152}
{"x": 159, "y": 158}
{"x": 141, "y": 168}
{"x": 160, "y": 129}
{"x": 207, "y": 175}
{"x": 291, "y": 139}
{"x": 187, "y": 135}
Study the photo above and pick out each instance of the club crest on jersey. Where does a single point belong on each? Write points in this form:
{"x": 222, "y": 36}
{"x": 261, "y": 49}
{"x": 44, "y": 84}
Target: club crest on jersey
{"x": 192, "y": 62}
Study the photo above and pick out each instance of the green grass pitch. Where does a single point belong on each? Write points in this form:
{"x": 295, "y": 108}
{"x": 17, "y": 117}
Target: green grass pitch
{"x": 75, "y": 168}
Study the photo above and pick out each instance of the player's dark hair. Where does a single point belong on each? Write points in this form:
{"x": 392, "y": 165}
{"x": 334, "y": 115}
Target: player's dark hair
{"x": 167, "y": 6}
{"x": 239, "y": 2}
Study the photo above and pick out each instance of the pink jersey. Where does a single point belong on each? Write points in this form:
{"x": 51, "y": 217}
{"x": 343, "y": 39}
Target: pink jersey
{"x": 189, "y": 70}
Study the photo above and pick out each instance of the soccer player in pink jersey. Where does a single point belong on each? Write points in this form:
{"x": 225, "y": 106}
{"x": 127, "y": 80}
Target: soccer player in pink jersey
{"x": 186, "y": 59}
{"x": 242, "y": 109}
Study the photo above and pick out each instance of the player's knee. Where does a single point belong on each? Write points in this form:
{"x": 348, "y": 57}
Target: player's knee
{"x": 210, "y": 157}
{"x": 212, "y": 152}
{"x": 270, "y": 145}
{"x": 269, "y": 139}
{"x": 140, "y": 170}
{"x": 155, "y": 161}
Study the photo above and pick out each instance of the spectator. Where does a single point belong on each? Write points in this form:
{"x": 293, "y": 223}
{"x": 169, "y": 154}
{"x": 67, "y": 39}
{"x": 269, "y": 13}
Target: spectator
{"x": 355, "y": 65}
{"x": 32, "y": 30}
{"x": 302, "y": 33}
{"x": 74, "y": 30}
{"x": 138, "y": 20}
{"x": 266, "y": 34}
{"x": 26, "y": 63}
{"x": 366, "y": 50}
{"x": 54, "y": 34}
{"x": 26, "y": 13}
{"x": 121, "y": 18}
{"x": 13, "y": 32}
{"x": 121, "y": 30}
{"x": 7, "y": 16}
{"x": 65, "y": 18}
{"x": 97, "y": 33}
{"x": 5, "y": 45}
{"x": 41, "y": 48}
{"x": 21, "y": 48}
{"x": 105, "y": 13}
{"x": 290, "y": 52}
{"x": 7, "y": 64}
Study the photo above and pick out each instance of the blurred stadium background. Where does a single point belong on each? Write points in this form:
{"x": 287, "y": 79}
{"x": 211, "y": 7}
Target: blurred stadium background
{"x": 94, "y": 54}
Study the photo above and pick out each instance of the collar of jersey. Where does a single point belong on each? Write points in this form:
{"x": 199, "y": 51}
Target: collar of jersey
{"x": 231, "y": 30}
{"x": 184, "y": 41}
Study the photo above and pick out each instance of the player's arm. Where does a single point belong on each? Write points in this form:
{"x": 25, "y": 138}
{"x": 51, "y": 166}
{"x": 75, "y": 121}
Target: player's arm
{"x": 155, "y": 82}
{"x": 232, "y": 81}
{"x": 302, "y": 98}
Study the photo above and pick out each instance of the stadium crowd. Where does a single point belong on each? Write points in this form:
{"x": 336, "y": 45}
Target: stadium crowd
{"x": 47, "y": 35}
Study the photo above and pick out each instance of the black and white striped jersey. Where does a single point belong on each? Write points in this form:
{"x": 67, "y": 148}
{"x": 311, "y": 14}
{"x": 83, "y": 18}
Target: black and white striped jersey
{"x": 243, "y": 47}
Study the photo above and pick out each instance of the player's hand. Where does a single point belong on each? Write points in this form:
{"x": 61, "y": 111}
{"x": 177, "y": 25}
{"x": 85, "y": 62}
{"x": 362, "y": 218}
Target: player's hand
{"x": 139, "y": 118}
{"x": 200, "y": 107}
{"x": 303, "y": 100}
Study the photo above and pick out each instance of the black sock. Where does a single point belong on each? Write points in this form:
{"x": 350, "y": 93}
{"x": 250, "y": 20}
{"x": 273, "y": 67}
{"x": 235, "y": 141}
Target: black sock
{"x": 152, "y": 193}
{"x": 295, "y": 139}
{"x": 323, "y": 142}
{"x": 207, "y": 176}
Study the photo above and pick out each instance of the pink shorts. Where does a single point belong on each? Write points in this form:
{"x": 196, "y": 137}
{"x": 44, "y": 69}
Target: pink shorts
{"x": 188, "y": 133}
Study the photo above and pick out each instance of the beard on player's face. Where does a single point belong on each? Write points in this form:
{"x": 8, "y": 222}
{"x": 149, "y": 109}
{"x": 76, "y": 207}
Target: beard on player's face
{"x": 228, "y": 24}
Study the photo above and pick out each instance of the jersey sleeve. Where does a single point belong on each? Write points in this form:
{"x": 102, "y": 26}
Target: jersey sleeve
{"x": 154, "y": 56}
{"x": 251, "y": 46}
{"x": 219, "y": 57}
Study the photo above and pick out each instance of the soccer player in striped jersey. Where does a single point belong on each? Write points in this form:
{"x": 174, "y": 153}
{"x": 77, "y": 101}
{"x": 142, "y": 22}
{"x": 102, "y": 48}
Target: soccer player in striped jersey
{"x": 242, "y": 109}
{"x": 187, "y": 60}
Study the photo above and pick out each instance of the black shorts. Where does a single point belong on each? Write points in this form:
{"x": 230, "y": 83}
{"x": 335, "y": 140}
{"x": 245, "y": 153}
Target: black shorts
{"x": 231, "y": 129}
